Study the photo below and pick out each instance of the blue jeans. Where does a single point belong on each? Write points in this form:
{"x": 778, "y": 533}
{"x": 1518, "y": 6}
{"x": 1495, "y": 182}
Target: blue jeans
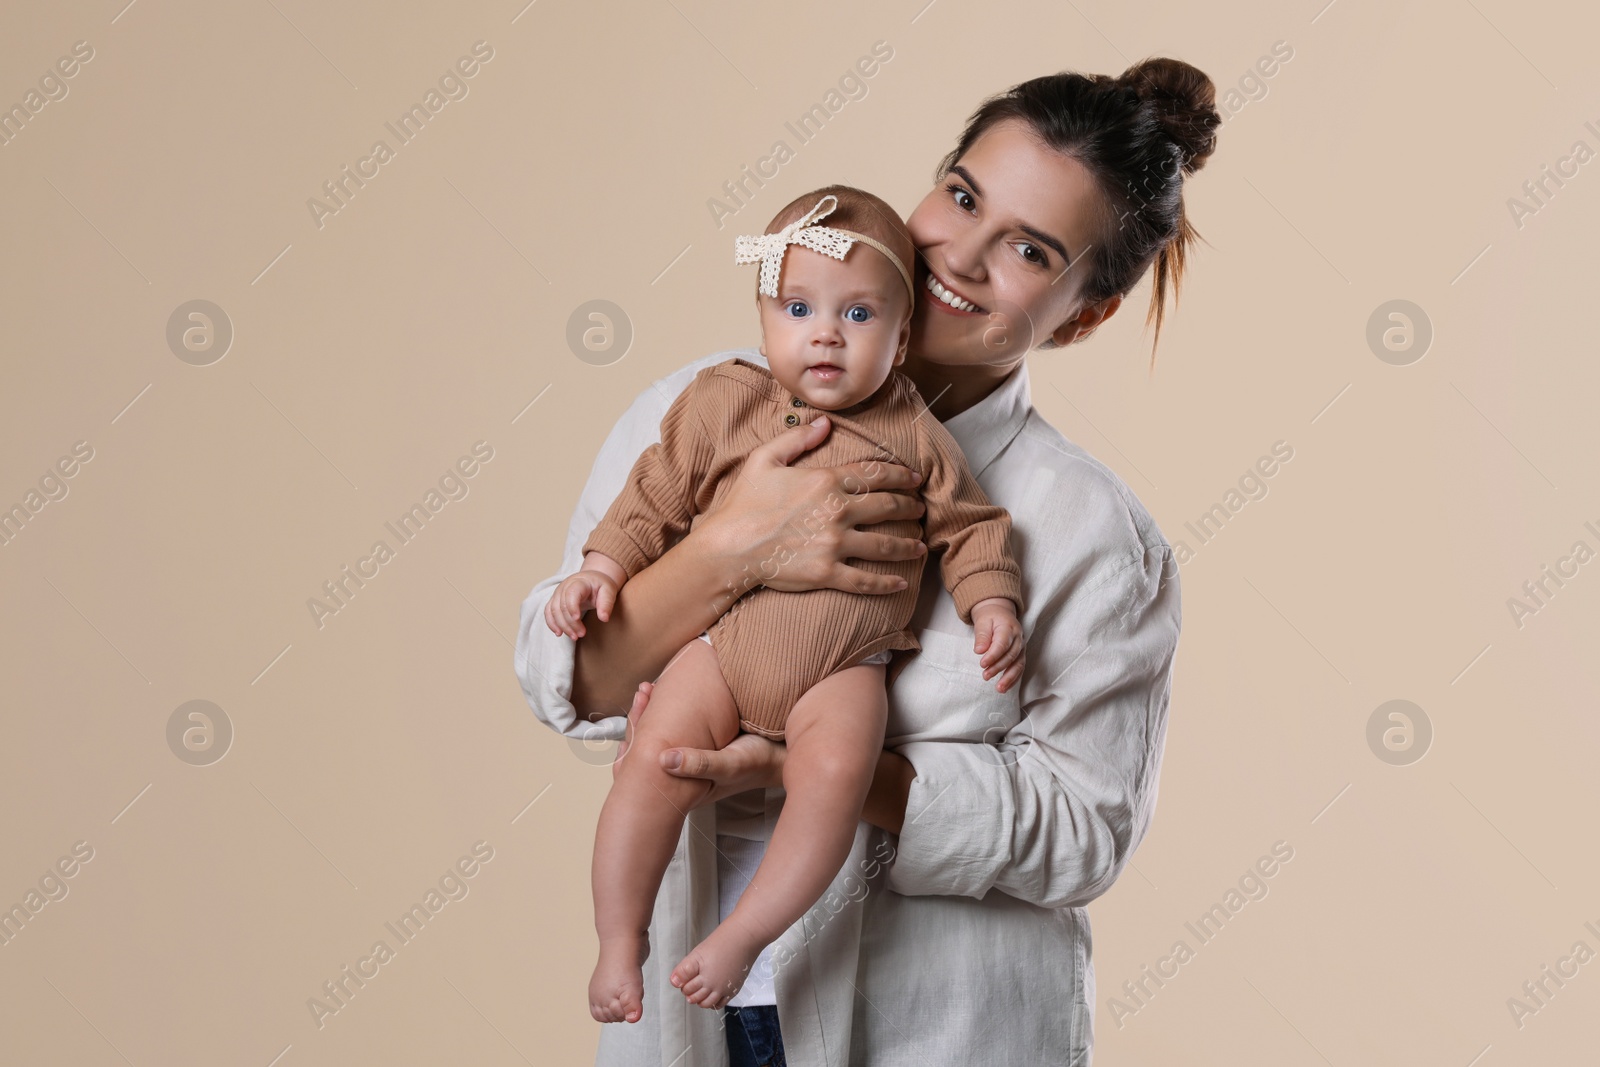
{"x": 753, "y": 1038}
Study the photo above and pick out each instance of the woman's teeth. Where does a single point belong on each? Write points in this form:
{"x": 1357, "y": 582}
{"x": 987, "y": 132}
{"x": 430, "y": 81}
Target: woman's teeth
{"x": 948, "y": 297}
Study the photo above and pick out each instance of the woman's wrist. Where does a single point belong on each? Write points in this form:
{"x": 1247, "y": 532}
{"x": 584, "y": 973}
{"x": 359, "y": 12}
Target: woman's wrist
{"x": 719, "y": 546}
{"x": 780, "y": 752}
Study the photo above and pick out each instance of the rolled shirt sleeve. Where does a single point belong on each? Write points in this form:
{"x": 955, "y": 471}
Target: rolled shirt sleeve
{"x": 1051, "y": 814}
{"x": 545, "y": 660}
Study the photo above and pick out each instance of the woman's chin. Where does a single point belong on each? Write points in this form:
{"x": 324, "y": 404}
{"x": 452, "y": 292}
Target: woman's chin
{"x": 946, "y": 340}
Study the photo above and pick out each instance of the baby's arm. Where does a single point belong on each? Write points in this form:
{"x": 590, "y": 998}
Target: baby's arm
{"x": 977, "y": 567}
{"x": 657, "y": 504}
{"x": 654, "y": 509}
{"x": 594, "y": 585}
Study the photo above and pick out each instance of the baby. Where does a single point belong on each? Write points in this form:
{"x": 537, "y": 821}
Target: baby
{"x": 806, "y": 667}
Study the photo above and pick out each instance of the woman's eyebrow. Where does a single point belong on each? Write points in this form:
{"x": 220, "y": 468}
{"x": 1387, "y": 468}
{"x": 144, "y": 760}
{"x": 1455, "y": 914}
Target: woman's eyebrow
{"x": 967, "y": 177}
{"x": 1040, "y": 235}
{"x": 1037, "y": 234}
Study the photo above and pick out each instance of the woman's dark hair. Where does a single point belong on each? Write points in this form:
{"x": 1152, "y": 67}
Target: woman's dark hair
{"x": 1138, "y": 135}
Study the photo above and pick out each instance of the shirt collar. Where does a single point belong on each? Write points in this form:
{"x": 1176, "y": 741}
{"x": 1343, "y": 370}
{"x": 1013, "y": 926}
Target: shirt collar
{"x": 985, "y": 429}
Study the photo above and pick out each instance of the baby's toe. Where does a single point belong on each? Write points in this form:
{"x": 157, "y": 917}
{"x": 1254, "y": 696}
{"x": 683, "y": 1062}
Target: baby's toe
{"x": 686, "y": 975}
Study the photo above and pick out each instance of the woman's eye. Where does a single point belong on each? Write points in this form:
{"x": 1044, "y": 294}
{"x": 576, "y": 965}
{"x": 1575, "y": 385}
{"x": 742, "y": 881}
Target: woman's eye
{"x": 859, "y": 314}
{"x": 962, "y": 198}
{"x": 797, "y": 309}
{"x": 1031, "y": 253}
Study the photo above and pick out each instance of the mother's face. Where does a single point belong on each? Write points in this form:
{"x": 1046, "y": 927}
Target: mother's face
{"x": 1007, "y": 232}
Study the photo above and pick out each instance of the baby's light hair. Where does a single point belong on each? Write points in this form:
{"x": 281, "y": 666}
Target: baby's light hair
{"x": 860, "y": 211}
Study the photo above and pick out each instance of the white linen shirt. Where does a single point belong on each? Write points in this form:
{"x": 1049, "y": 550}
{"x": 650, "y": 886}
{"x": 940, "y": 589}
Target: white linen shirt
{"x": 963, "y": 939}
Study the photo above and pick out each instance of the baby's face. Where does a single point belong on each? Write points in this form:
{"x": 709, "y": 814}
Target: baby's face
{"x": 836, "y": 329}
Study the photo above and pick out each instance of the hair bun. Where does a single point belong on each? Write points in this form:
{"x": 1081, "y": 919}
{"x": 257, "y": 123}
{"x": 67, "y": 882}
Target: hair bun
{"x": 1185, "y": 104}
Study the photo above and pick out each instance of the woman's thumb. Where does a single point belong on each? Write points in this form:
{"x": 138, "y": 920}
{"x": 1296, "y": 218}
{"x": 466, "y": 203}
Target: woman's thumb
{"x": 788, "y": 446}
{"x": 688, "y": 762}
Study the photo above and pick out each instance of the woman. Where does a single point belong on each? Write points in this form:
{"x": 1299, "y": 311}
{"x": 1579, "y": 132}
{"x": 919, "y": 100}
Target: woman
{"x": 956, "y": 928}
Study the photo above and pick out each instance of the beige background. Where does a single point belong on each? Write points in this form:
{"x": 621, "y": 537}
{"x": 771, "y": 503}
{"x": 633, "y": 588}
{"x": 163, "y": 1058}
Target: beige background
{"x": 370, "y": 353}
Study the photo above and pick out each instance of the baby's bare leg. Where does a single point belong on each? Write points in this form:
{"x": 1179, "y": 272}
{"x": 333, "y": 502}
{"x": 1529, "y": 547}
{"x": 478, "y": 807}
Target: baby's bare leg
{"x": 834, "y": 734}
{"x": 642, "y": 820}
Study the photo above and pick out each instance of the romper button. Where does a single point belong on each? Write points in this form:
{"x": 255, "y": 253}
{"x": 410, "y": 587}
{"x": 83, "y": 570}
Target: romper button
{"x": 797, "y": 402}
{"x": 792, "y": 419}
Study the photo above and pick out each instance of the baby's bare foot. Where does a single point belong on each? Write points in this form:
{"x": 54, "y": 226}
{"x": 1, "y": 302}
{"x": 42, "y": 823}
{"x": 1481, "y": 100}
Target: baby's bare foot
{"x": 616, "y": 991}
{"x": 715, "y": 969}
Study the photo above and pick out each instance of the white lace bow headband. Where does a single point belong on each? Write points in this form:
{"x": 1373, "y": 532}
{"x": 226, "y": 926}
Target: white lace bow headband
{"x": 769, "y": 248}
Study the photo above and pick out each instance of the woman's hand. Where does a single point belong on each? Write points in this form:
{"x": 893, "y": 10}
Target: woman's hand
{"x": 749, "y": 761}
{"x": 794, "y": 527}
{"x": 752, "y": 762}
{"x": 641, "y": 697}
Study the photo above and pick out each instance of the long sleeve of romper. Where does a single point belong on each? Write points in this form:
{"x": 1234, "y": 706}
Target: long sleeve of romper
{"x": 658, "y": 502}
{"x": 974, "y": 533}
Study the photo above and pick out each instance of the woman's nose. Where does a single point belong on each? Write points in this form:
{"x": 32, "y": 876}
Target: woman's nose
{"x": 963, "y": 254}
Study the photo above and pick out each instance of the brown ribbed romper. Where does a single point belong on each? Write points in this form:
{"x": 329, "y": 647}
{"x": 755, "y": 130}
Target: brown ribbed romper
{"x": 773, "y": 645}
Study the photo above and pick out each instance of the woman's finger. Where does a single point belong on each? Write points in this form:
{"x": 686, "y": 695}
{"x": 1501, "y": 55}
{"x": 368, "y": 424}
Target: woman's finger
{"x": 790, "y": 445}
{"x": 641, "y": 697}
{"x": 695, "y": 763}
{"x": 748, "y": 762}
{"x": 869, "y": 509}
{"x": 882, "y": 547}
{"x": 872, "y": 475}
{"x": 848, "y": 579}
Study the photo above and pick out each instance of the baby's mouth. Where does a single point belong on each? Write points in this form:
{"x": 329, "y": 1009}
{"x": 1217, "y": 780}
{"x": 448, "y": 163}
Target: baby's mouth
{"x": 949, "y": 298}
{"x": 826, "y": 371}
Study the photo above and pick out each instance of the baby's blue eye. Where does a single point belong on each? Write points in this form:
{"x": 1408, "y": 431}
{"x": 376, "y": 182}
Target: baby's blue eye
{"x": 859, "y": 313}
{"x": 802, "y": 312}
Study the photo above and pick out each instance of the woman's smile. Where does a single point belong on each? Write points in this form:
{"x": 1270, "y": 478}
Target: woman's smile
{"x": 947, "y": 299}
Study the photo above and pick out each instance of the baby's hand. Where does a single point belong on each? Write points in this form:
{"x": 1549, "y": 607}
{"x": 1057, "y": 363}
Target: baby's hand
{"x": 999, "y": 641}
{"x": 577, "y": 594}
